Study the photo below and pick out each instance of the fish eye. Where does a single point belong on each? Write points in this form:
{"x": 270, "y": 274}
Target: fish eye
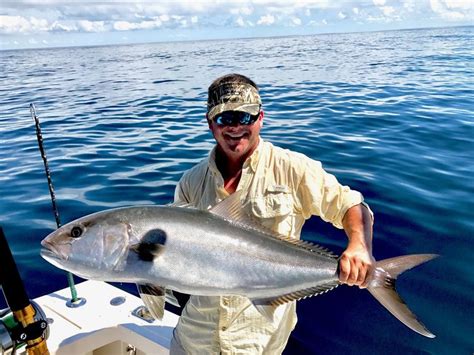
{"x": 76, "y": 232}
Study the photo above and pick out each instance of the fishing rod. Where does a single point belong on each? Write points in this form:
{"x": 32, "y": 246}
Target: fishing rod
{"x": 24, "y": 321}
{"x": 74, "y": 301}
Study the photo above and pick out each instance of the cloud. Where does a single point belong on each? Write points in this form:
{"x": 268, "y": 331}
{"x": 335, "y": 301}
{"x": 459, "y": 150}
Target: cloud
{"x": 453, "y": 10}
{"x": 91, "y": 26}
{"x": 144, "y": 25}
{"x": 341, "y": 15}
{"x": 240, "y": 21}
{"x": 26, "y": 17}
{"x": 387, "y": 10}
{"x": 266, "y": 20}
{"x": 12, "y": 24}
{"x": 296, "y": 21}
{"x": 245, "y": 10}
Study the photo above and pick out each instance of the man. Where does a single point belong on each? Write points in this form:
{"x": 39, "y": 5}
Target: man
{"x": 281, "y": 189}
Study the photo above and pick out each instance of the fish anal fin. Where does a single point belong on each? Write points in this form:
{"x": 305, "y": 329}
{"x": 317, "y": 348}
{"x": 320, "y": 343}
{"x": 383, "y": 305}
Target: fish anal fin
{"x": 297, "y": 295}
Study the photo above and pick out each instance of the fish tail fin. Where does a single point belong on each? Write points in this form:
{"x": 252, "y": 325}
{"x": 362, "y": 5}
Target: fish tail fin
{"x": 382, "y": 287}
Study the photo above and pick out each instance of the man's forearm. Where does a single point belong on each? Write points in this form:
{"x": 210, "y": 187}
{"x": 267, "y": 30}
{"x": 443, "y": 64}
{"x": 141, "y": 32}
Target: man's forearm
{"x": 357, "y": 223}
{"x": 356, "y": 262}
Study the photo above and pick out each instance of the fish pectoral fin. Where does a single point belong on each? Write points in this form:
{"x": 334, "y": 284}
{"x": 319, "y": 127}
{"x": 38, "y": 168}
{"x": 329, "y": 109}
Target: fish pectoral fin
{"x": 153, "y": 298}
{"x": 171, "y": 298}
{"x": 151, "y": 245}
{"x": 265, "y": 309}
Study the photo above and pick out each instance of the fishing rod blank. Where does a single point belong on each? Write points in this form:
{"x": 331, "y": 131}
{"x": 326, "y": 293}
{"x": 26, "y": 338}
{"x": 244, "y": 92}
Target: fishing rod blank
{"x": 74, "y": 302}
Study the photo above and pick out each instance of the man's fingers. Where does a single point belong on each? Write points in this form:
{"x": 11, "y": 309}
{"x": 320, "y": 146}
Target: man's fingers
{"x": 362, "y": 275}
{"x": 353, "y": 271}
{"x": 344, "y": 269}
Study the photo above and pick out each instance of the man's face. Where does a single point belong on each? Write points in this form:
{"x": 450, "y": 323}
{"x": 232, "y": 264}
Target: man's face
{"x": 237, "y": 141}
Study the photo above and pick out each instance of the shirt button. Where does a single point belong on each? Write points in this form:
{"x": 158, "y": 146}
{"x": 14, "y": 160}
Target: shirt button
{"x": 225, "y": 302}
{"x": 224, "y": 329}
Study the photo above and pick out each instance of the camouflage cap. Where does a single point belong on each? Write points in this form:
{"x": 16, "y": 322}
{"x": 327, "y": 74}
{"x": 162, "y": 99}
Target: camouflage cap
{"x": 226, "y": 94}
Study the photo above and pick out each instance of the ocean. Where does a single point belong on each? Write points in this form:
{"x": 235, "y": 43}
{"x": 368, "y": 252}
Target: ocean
{"x": 391, "y": 114}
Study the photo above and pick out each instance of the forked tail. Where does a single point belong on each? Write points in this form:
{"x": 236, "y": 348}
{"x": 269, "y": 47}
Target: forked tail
{"x": 382, "y": 287}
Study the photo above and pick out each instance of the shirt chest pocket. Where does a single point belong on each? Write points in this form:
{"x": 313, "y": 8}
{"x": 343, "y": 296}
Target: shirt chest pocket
{"x": 276, "y": 201}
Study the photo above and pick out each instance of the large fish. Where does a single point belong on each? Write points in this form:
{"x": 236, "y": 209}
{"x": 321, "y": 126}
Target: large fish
{"x": 222, "y": 251}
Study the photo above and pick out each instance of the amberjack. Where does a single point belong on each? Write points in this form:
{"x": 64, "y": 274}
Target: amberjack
{"x": 222, "y": 251}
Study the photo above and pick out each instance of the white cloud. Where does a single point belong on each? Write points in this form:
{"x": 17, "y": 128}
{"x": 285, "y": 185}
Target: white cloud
{"x": 388, "y": 10}
{"x": 266, "y": 20}
{"x": 32, "y": 16}
{"x": 144, "y": 25}
{"x": 453, "y": 10}
{"x": 240, "y": 21}
{"x": 164, "y": 18}
{"x": 245, "y": 10}
{"x": 91, "y": 26}
{"x": 296, "y": 21}
{"x": 61, "y": 27}
{"x": 409, "y": 5}
{"x": 12, "y": 24}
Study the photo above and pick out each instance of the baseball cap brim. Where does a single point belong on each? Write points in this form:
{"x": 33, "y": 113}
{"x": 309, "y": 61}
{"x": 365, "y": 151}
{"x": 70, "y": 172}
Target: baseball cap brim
{"x": 253, "y": 109}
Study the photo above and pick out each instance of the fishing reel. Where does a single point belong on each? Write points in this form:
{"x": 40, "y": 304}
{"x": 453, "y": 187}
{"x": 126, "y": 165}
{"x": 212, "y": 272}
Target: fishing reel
{"x": 12, "y": 333}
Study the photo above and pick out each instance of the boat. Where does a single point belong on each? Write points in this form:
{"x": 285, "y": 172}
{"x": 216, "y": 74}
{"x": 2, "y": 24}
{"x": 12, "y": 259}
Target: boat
{"x": 104, "y": 320}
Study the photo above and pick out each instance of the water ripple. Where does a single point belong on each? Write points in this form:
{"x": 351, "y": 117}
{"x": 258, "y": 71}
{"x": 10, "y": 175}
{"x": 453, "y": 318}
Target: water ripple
{"x": 389, "y": 113}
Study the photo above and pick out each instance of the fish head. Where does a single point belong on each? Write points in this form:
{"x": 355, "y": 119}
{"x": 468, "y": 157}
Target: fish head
{"x": 92, "y": 247}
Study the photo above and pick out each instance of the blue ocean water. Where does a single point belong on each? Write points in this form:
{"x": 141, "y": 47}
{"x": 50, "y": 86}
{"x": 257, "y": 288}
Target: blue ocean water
{"x": 389, "y": 113}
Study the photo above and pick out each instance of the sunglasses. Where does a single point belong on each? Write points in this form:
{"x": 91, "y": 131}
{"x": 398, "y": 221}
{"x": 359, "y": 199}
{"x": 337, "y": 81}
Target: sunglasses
{"x": 231, "y": 118}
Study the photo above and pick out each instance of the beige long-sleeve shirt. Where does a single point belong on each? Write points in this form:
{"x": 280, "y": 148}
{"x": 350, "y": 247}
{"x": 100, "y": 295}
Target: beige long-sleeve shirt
{"x": 281, "y": 189}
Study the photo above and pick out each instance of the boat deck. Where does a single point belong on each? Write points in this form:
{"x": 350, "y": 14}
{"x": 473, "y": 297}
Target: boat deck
{"x": 99, "y": 327}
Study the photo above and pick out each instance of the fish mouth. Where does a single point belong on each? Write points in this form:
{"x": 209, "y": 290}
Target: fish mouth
{"x": 51, "y": 252}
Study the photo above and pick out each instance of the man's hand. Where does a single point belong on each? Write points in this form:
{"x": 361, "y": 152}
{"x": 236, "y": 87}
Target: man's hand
{"x": 357, "y": 264}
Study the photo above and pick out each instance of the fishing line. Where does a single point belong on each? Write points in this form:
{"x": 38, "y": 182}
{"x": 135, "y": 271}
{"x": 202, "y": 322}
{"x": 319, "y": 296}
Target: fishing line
{"x": 39, "y": 136}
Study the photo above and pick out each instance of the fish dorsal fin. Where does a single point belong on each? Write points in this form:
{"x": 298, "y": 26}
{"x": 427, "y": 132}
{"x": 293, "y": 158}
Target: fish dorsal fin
{"x": 315, "y": 248}
{"x": 180, "y": 204}
{"x": 297, "y": 295}
{"x": 231, "y": 209}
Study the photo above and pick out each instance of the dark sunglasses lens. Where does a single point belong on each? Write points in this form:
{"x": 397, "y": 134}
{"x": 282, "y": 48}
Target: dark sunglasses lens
{"x": 231, "y": 118}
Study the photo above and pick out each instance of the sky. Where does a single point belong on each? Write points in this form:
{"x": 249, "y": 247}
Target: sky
{"x": 52, "y": 23}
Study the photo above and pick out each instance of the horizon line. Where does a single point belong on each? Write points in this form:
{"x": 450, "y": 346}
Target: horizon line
{"x": 232, "y": 38}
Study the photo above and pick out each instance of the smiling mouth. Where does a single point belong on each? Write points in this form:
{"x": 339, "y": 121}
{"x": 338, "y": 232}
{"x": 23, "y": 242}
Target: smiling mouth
{"x": 236, "y": 135}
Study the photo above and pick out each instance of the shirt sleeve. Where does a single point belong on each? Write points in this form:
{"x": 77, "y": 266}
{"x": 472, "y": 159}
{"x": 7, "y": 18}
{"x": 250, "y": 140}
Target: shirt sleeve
{"x": 322, "y": 195}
